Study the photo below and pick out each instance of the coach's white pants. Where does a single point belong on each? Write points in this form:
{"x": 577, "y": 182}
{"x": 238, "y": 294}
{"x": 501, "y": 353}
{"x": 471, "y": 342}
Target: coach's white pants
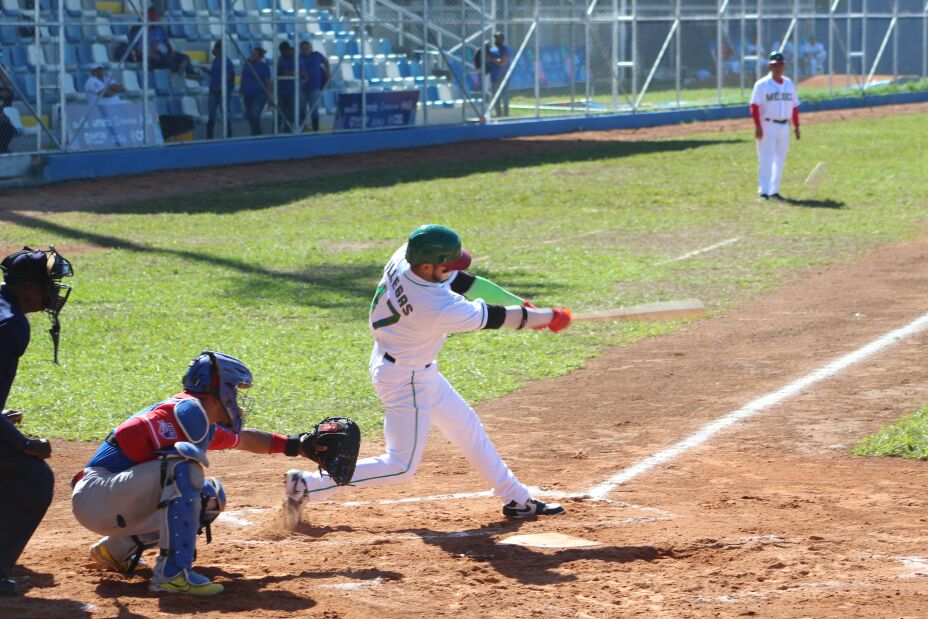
{"x": 414, "y": 399}
{"x": 771, "y": 156}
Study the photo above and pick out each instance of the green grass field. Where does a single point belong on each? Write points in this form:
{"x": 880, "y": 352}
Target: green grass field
{"x": 281, "y": 275}
{"x": 906, "y": 438}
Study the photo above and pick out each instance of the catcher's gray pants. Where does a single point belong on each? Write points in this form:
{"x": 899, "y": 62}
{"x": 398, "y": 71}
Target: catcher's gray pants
{"x": 120, "y": 505}
{"x": 26, "y": 485}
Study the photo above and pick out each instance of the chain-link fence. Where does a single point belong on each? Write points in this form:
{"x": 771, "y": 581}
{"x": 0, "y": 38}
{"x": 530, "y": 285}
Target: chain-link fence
{"x": 91, "y": 74}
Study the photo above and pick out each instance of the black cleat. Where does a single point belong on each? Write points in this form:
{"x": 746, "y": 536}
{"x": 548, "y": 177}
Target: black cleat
{"x": 763, "y": 196}
{"x": 532, "y": 508}
{"x": 777, "y": 196}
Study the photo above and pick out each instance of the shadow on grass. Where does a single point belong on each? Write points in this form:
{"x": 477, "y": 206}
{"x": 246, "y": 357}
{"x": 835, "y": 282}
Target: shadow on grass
{"x": 835, "y": 204}
{"x": 269, "y": 195}
{"x": 322, "y": 286}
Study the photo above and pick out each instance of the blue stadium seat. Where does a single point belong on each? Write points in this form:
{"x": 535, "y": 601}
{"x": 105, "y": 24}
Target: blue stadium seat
{"x": 384, "y": 46}
{"x": 8, "y": 35}
{"x": 162, "y": 106}
{"x": 85, "y": 56}
{"x": 175, "y": 107}
{"x": 70, "y": 58}
{"x": 174, "y": 8}
{"x": 403, "y": 65}
{"x": 242, "y": 31}
{"x": 19, "y": 59}
{"x": 161, "y": 80}
{"x": 72, "y": 33}
{"x": 352, "y": 48}
{"x": 190, "y": 32}
{"x": 431, "y": 94}
{"x": 329, "y": 99}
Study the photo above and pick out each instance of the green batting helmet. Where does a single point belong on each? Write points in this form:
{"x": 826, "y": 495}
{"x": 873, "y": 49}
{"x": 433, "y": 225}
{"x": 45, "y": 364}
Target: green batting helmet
{"x": 433, "y": 243}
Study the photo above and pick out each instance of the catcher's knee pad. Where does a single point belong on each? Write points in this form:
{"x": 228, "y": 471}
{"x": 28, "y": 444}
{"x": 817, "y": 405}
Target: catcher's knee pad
{"x": 212, "y": 503}
{"x": 180, "y": 515}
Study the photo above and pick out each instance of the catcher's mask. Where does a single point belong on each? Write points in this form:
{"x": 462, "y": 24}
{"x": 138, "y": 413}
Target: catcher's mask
{"x": 46, "y": 267}
{"x": 222, "y": 376}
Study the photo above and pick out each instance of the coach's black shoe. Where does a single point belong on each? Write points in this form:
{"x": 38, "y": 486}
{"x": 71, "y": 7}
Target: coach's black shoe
{"x": 530, "y": 509}
{"x": 777, "y": 196}
{"x": 763, "y": 196}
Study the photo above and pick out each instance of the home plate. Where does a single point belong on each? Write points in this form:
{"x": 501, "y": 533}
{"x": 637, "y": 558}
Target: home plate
{"x": 547, "y": 540}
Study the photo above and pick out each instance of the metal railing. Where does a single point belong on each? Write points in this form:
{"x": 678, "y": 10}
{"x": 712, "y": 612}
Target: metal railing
{"x": 605, "y": 56}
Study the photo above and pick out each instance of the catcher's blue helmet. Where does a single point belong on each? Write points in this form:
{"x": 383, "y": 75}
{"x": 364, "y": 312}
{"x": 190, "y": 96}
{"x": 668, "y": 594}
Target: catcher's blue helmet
{"x": 220, "y": 375}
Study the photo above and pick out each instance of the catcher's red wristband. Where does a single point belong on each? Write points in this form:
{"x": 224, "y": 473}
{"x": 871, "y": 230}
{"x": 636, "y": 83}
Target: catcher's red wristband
{"x": 278, "y": 442}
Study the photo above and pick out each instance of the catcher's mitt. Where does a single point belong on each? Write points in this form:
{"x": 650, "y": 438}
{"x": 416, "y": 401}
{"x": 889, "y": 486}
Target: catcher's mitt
{"x": 333, "y": 445}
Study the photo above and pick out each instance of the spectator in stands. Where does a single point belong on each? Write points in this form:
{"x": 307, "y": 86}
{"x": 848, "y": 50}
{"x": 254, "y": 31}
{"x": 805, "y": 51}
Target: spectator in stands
{"x": 813, "y": 56}
{"x": 729, "y": 63}
{"x": 100, "y": 90}
{"x": 497, "y": 66}
{"x": 7, "y": 130}
{"x": 286, "y": 86}
{"x": 215, "y": 91}
{"x": 314, "y": 74}
{"x": 754, "y": 49}
{"x": 161, "y": 54}
{"x": 256, "y": 84}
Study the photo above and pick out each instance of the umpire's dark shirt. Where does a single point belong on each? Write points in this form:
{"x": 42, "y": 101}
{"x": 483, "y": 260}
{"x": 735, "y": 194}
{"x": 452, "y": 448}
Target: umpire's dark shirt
{"x": 14, "y": 338}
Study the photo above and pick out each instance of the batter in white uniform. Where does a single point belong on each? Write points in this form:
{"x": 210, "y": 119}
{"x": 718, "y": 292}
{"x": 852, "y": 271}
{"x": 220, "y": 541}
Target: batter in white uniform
{"x": 424, "y": 295}
{"x": 774, "y": 102}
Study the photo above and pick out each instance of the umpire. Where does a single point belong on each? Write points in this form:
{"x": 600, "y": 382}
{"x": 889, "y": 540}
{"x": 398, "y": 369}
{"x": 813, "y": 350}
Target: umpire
{"x": 32, "y": 283}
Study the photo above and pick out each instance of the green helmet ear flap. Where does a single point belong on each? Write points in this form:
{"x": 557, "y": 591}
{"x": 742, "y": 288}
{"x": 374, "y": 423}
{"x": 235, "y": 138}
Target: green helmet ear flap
{"x": 433, "y": 244}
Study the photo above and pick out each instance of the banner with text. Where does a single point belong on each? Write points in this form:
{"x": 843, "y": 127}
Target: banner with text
{"x": 112, "y": 126}
{"x": 384, "y": 109}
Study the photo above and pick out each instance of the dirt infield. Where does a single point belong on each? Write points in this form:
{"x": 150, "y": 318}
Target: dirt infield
{"x": 770, "y": 518}
{"x": 87, "y": 195}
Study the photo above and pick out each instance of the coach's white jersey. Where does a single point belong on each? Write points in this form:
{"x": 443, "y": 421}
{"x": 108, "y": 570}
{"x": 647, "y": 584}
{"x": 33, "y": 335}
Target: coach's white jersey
{"x": 776, "y": 101}
{"x": 411, "y": 318}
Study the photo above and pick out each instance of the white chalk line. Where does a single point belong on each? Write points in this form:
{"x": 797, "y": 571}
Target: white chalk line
{"x": 752, "y": 408}
{"x": 702, "y": 250}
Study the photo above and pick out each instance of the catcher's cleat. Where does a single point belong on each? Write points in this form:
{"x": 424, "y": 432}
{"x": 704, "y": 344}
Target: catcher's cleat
{"x": 187, "y": 581}
{"x": 105, "y": 559}
{"x": 532, "y": 508}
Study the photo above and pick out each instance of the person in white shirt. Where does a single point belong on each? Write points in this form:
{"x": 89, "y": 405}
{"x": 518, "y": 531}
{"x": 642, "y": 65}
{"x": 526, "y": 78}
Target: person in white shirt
{"x": 814, "y": 55}
{"x": 424, "y": 295}
{"x": 774, "y": 102}
{"x": 98, "y": 87}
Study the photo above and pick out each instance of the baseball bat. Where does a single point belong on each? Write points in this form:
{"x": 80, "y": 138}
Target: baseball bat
{"x": 663, "y": 310}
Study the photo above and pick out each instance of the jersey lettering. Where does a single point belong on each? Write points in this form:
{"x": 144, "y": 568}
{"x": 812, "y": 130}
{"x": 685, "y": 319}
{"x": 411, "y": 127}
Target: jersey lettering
{"x": 389, "y": 320}
{"x": 779, "y": 96}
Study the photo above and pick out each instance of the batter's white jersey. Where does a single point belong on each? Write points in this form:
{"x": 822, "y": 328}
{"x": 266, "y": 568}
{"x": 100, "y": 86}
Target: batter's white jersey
{"x": 411, "y": 317}
{"x": 776, "y": 101}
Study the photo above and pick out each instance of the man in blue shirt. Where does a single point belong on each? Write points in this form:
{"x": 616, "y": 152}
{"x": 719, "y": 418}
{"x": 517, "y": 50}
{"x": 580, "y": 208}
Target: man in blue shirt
{"x": 215, "y": 91}
{"x": 497, "y": 66}
{"x": 32, "y": 283}
{"x": 314, "y": 74}
{"x": 286, "y": 87}
{"x": 256, "y": 84}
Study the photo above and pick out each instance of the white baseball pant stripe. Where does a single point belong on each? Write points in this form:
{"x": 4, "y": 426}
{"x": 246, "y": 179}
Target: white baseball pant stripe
{"x": 771, "y": 156}
{"x": 415, "y": 399}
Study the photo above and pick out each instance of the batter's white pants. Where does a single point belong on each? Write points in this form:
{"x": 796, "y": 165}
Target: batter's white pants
{"x": 414, "y": 399}
{"x": 771, "y": 156}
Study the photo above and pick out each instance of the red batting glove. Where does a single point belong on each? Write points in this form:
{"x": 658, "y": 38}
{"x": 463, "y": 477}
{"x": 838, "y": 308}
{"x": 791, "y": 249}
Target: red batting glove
{"x": 561, "y": 320}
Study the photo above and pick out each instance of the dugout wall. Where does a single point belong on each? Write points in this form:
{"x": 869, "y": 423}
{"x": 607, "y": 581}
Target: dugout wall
{"x": 398, "y": 65}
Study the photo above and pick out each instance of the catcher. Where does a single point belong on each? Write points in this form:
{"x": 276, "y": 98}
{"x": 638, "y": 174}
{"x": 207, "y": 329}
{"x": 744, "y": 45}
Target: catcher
{"x": 145, "y": 484}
